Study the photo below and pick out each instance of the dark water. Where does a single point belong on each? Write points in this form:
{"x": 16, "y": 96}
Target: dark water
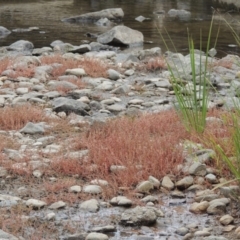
{"x": 47, "y": 15}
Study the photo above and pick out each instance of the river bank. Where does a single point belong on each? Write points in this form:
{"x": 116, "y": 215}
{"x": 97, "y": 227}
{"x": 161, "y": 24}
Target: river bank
{"x": 68, "y": 172}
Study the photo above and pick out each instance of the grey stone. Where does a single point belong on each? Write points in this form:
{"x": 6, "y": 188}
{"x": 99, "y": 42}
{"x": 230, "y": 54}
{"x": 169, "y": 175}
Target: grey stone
{"x": 154, "y": 181}
{"x": 35, "y": 203}
{"x": 121, "y": 35}
{"x": 145, "y": 187}
{"x": 116, "y": 108}
{"x": 211, "y": 178}
{"x": 111, "y": 13}
{"x": 93, "y": 189}
{"x": 139, "y": 216}
{"x": 7, "y": 236}
{"x": 21, "y": 46}
{"x": 182, "y": 231}
{"x": 197, "y": 169}
{"x": 33, "y": 128}
{"x": 121, "y": 201}
{"x": 185, "y": 182}
{"x": 68, "y": 106}
{"x": 76, "y": 72}
{"x": 215, "y": 238}
{"x": 75, "y": 189}
{"x": 91, "y": 205}
{"x": 107, "y": 228}
{"x": 81, "y": 49}
{"x": 217, "y": 207}
{"x": 167, "y": 183}
{"x": 113, "y": 74}
{"x": 97, "y": 236}
{"x": 57, "y": 205}
{"x": 4, "y": 32}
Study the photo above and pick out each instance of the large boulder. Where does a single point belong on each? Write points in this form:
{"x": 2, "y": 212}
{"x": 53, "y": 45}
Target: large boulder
{"x": 4, "y": 32}
{"x": 22, "y": 46}
{"x": 115, "y": 14}
{"x": 121, "y": 35}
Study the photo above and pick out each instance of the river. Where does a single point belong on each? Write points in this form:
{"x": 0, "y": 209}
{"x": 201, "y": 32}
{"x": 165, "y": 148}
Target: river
{"x": 47, "y": 15}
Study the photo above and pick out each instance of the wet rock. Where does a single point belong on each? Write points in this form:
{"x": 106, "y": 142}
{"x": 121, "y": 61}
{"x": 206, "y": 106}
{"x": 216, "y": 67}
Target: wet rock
{"x": 198, "y": 169}
{"x": 103, "y": 22}
{"x": 35, "y": 203}
{"x": 4, "y": 32}
{"x": 139, "y": 216}
{"x": 57, "y": 205}
{"x": 199, "y": 207}
{"x": 7, "y": 236}
{"x": 93, "y": 189}
{"x": 121, "y": 35}
{"x": 121, "y": 201}
{"x": 184, "y": 183}
{"x": 180, "y": 14}
{"x": 111, "y": 14}
{"x": 226, "y": 219}
{"x": 91, "y": 205}
{"x": 167, "y": 183}
{"x": 33, "y": 128}
{"x": 145, "y": 187}
{"x": 21, "y": 46}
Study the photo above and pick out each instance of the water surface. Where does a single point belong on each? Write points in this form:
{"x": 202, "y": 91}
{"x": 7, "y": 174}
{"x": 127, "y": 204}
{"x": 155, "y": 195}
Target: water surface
{"x": 47, "y": 15}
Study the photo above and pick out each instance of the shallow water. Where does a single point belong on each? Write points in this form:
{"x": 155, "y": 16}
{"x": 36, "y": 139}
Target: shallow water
{"x": 47, "y": 15}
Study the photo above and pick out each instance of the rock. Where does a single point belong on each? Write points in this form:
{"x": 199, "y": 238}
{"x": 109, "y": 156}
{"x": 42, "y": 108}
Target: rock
{"x": 202, "y": 233}
{"x": 57, "y": 205}
{"x": 99, "y": 182}
{"x": 4, "y": 32}
{"x": 201, "y": 156}
{"x": 33, "y": 128}
{"x": 35, "y": 204}
{"x": 167, "y": 183}
{"x": 68, "y": 106}
{"x": 154, "y": 181}
{"x": 197, "y": 169}
{"x": 214, "y": 238}
{"x": 93, "y": 189}
{"x": 141, "y": 18}
{"x": 199, "y": 207}
{"x": 81, "y": 49}
{"x": 103, "y": 22}
{"x": 111, "y": 14}
{"x": 75, "y": 189}
{"x": 185, "y": 182}
{"x": 180, "y": 14}
{"x": 139, "y": 216}
{"x": 113, "y": 74}
{"x": 149, "y": 198}
{"x": 117, "y": 168}
{"x": 107, "y": 228}
{"x": 97, "y": 236}
{"x": 121, "y": 201}
{"x": 205, "y": 195}
{"x": 76, "y": 72}
{"x": 121, "y": 35}
{"x": 152, "y": 52}
{"x": 145, "y": 187}
{"x": 182, "y": 231}
{"x": 7, "y": 236}
{"x": 91, "y": 205}
{"x": 51, "y": 216}
{"x": 211, "y": 178}
{"x": 226, "y": 219}
{"x": 21, "y": 46}
{"x": 116, "y": 108}
{"x": 216, "y": 207}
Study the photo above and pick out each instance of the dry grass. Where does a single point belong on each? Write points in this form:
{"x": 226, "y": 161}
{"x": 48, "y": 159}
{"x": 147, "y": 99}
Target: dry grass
{"x": 14, "y": 118}
{"x": 92, "y": 67}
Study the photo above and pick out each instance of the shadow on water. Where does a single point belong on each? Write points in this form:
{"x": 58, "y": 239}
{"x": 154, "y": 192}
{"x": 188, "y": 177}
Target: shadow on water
{"x": 47, "y": 15}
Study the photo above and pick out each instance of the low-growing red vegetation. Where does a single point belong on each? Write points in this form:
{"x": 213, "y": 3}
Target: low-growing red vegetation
{"x": 14, "y": 118}
{"x": 5, "y": 63}
{"x": 148, "y": 145}
{"x": 153, "y": 64}
{"x": 92, "y": 67}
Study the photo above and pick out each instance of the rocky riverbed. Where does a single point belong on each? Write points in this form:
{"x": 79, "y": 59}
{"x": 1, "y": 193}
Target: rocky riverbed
{"x": 72, "y": 89}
